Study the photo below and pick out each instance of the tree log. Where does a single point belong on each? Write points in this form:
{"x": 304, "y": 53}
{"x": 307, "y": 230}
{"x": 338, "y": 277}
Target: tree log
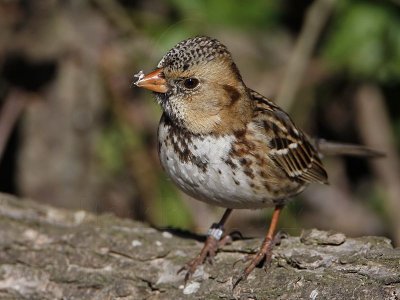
{"x": 51, "y": 253}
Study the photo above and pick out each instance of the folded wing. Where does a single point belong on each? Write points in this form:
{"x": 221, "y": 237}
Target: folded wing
{"x": 290, "y": 148}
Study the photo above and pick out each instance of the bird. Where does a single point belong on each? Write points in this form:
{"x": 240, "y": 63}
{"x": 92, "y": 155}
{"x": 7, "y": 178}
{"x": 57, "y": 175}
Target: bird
{"x": 227, "y": 145}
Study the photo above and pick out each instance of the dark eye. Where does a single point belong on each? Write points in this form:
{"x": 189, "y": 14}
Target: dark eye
{"x": 191, "y": 83}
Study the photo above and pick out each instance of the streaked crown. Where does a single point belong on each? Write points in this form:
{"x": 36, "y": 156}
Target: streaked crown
{"x": 193, "y": 51}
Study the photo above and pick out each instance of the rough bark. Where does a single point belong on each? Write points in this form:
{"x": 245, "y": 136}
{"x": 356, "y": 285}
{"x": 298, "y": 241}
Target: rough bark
{"x": 49, "y": 253}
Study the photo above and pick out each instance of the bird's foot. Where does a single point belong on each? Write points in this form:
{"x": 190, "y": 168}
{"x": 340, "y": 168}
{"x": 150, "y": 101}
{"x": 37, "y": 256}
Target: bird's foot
{"x": 262, "y": 258}
{"x": 207, "y": 253}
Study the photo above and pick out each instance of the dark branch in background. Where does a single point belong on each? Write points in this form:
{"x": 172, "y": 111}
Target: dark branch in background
{"x": 374, "y": 124}
{"x": 315, "y": 20}
{"x": 10, "y": 113}
{"x": 117, "y": 15}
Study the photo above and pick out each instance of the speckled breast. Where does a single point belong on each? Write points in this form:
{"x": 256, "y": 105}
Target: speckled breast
{"x": 204, "y": 167}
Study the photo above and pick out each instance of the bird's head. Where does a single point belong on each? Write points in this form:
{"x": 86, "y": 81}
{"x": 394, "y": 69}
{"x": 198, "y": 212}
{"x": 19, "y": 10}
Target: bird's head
{"x": 200, "y": 88}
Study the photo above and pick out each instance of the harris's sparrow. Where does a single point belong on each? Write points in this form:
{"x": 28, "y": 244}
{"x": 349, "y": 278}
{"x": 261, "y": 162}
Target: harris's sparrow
{"x": 227, "y": 145}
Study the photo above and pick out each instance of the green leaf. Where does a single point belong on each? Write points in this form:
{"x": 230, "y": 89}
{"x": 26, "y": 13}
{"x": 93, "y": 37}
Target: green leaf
{"x": 365, "y": 41}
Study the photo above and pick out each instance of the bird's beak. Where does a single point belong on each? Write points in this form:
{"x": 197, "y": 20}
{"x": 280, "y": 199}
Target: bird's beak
{"x": 153, "y": 81}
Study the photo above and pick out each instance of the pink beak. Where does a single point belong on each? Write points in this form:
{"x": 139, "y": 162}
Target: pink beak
{"x": 153, "y": 81}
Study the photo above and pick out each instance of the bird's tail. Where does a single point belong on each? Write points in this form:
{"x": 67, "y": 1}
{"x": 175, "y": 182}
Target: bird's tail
{"x": 333, "y": 148}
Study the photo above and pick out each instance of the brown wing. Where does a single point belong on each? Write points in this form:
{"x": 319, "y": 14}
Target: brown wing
{"x": 290, "y": 147}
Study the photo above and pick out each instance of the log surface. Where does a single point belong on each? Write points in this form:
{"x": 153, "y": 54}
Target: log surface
{"x": 50, "y": 253}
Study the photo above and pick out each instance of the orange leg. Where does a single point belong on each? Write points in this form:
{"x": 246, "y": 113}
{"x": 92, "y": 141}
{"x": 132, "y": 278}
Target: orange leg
{"x": 211, "y": 245}
{"x": 265, "y": 251}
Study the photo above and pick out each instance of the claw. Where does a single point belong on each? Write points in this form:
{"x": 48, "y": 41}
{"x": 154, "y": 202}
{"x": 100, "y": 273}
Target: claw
{"x": 245, "y": 259}
{"x": 210, "y": 248}
{"x": 206, "y": 254}
{"x": 238, "y": 280}
{"x": 262, "y": 258}
{"x": 190, "y": 268}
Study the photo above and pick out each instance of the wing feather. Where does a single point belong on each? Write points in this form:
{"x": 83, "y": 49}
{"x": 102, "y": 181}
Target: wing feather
{"x": 290, "y": 147}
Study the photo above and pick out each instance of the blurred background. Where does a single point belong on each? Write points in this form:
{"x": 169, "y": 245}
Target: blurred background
{"x": 75, "y": 133}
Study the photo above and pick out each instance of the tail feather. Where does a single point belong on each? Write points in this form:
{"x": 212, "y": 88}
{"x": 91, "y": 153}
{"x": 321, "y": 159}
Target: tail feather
{"x": 333, "y": 148}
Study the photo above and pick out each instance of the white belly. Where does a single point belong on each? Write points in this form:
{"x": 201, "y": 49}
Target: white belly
{"x": 208, "y": 177}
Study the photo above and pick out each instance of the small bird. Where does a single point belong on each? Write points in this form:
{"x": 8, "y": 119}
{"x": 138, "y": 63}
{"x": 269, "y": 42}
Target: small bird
{"x": 227, "y": 145}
